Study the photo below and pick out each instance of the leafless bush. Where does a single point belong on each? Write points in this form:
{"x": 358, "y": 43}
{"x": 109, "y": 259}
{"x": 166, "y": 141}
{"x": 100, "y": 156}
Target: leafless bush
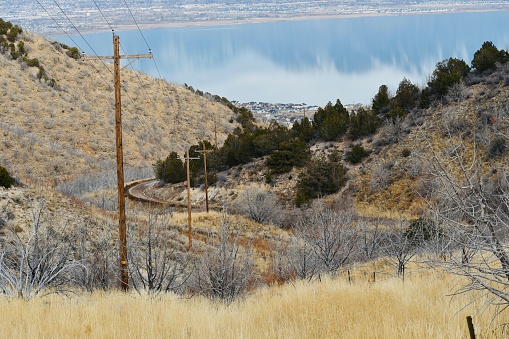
{"x": 259, "y": 205}
{"x": 381, "y": 177}
{"x": 98, "y": 254}
{"x": 156, "y": 265}
{"x": 392, "y": 131}
{"x": 457, "y": 93}
{"x": 399, "y": 246}
{"x": 41, "y": 263}
{"x": 332, "y": 236}
{"x": 452, "y": 121}
{"x": 476, "y": 208}
{"x": 223, "y": 271}
{"x": 370, "y": 237}
{"x": 281, "y": 269}
{"x": 302, "y": 260}
{"x": 414, "y": 167}
{"x": 103, "y": 180}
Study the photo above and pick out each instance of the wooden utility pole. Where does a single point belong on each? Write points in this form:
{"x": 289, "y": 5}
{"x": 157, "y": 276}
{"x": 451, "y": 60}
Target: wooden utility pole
{"x": 189, "y": 217}
{"x": 215, "y": 129}
{"x": 205, "y": 151}
{"x": 122, "y": 232}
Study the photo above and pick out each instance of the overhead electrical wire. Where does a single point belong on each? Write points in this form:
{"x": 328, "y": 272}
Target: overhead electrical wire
{"x": 143, "y": 36}
{"x": 56, "y": 22}
{"x": 137, "y": 107}
{"x": 76, "y": 28}
{"x": 96, "y": 54}
{"x": 69, "y": 36}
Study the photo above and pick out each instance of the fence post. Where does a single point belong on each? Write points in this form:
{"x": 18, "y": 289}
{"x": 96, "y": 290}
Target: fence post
{"x": 470, "y": 327}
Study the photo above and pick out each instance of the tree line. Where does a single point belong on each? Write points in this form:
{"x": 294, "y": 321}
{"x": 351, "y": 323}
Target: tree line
{"x": 286, "y": 148}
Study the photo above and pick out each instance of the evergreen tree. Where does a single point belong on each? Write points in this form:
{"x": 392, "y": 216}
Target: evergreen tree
{"x": 331, "y": 121}
{"x": 321, "y": 177}
{"x": 304, "y": 130}
{"x": 5, "y": 178}
{"x": 381, "y": 103}
{"x": 293, "y": 152}
{"x": 487, "y": 57}
{"x": 356, "y": 154}
{"x": 364, "y": 122}
{"x": 406, "y": 95}
{"x": 447, "y": 73}
{"x": 171, "y": 170}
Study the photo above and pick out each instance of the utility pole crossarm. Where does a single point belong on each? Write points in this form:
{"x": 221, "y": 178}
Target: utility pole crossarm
{"x": 128, "y": 56}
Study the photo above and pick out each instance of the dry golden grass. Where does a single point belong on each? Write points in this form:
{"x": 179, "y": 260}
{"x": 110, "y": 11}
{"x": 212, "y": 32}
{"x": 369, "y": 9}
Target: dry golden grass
{"x": 418, "y": 308}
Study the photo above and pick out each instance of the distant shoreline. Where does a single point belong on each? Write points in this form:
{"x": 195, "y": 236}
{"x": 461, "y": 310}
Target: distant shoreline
{"x": 286, "y": 18}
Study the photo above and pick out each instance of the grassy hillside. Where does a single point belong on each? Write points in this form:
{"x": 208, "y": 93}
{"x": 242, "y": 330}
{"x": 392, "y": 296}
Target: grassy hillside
{"x": 63, "y": 127}
{"x": 418, "y": 308}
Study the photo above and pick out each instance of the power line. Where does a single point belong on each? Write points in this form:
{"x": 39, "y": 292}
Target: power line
{"x": 76, "y": 28}
{"x": 143, "y": 36}
{"x": 131, "y": 13}
{"x": 96, "y": 5}
{"x": 146, "y": 128}
{"x": 63, "y": 30}
{"x": 81, "y": 35}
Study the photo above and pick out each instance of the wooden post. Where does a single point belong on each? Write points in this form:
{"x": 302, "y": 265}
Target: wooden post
{"x": 189, "y": 218}
{"x": 470, "y": 327}
{"x": 122, "y": 232}
{"x": 205, "y": 151}
{"x": 215, "y": 130}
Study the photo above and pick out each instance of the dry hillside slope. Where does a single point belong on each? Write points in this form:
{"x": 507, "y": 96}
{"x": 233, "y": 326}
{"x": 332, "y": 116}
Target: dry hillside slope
{"x": 60, "y": 132}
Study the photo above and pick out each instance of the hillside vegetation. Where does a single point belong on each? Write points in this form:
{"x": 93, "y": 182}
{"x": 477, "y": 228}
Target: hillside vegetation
{"x": 414, "y": 188}
{"x": 57, "y": 116}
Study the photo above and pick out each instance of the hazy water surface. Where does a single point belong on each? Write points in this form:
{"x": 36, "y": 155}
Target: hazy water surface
{"x": 309, "y": 62}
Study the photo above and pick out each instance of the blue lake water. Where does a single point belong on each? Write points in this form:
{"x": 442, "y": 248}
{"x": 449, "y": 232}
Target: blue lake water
{"x": 311, "y": 62}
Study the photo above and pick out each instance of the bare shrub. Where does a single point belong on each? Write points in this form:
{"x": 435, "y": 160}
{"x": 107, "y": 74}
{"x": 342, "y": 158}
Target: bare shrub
{"x": 476, "y": 208}
{"x": 399, "y": 246}
{"x": 392, "y": 131}
{"x": 457, "y": 92}
{"x": 381, "y": 177}
{"x": 224, "y": 271}
{"x": 413, "y": 167}
{"x": 302, "y": 260}
{"x": 370, "y": 237}
{"x": 156, "y": 265}
{"x": 332, "y": 236}
{"x": 41, "y": 263}
{"x": 452, "y": 121}
{"x": 260, "y": 205}
{"x": 280, "y": 269}
{"x": 98, "y": 255}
